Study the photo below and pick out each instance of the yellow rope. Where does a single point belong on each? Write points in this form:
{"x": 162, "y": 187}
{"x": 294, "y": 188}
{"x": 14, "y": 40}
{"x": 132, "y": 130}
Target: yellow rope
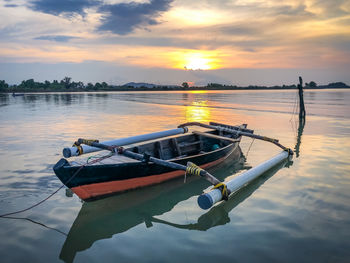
{"x": 193, "y": 169}
{"x": 224, "y": 191}
{"x": 80, "y": 149}
{"x": 89, "y": 142}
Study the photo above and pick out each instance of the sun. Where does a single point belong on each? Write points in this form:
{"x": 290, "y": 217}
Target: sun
{"x": 197, "y": 61}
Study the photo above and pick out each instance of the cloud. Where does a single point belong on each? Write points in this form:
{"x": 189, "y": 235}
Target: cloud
{"x": 123, "y": 18}
{"x": 56, "y": 38}
{"x": 10, "y": 5}
{"x": 334, "y": 8}
{"x": 339, "y": 42}
{"x": 292, "y": 11}
{"x": 119, "y": 18}
{"x": 55, "y": 7}
{"x": 240, "y": 29}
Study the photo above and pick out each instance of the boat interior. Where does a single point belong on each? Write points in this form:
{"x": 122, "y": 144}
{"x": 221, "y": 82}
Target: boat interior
{"x": 182, "y": 146}
{"x": 175, "y": 147}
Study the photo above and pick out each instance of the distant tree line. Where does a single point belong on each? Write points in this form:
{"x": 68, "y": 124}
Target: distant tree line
{"x": 66, "y": 84}
{"x": 3, "y": 85}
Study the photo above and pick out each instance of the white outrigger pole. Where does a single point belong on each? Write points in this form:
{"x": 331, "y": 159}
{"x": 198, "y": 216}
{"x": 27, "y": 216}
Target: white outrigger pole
{"x": 207, "y": 200}
{"x": 78, "y": 149}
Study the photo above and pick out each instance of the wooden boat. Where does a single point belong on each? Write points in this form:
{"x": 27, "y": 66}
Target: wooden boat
{"x": 118, "y": 173}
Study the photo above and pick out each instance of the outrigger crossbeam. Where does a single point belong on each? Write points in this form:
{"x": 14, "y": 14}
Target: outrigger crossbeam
{"x": 237, "y": 132}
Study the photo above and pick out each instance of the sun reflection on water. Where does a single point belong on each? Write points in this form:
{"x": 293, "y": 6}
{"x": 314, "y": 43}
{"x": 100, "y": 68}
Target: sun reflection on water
{"x": 198, "y": 112}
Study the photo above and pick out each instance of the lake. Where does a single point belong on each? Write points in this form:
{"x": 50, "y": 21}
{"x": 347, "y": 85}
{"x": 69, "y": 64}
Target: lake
{"x": 298, "y": 213}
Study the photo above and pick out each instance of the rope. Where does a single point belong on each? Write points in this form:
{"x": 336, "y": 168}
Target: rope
{"x": 250, "y": 146}
{"x": 193, "y": 169}
{"x": 37, "y": 223}
{"x": 93, "y": 157}
{"x": 86, "y": 141}
{"x": 52, "y": 194}
{"x": 295, "y": 106}
{"x": 292, "y": 119}
{"x": 80, "y": 149}
{"x": 223, "y": 189}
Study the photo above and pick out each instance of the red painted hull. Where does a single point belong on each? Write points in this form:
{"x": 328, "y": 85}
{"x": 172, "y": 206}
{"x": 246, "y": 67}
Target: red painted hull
{"x": 91, "y": 191}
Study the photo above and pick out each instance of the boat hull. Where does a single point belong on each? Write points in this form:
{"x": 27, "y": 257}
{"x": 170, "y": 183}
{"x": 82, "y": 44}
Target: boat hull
{"x": 93, "y": 182}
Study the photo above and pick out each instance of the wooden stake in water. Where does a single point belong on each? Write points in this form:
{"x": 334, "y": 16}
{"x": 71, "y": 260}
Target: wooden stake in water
{"x": 302, "y": 112}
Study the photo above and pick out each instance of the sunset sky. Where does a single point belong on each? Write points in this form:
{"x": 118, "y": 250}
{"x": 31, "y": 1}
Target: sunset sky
{"x": 238, "y": 42}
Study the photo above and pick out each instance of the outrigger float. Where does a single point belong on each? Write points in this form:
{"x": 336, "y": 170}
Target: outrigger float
{"x": 160, "y": 157}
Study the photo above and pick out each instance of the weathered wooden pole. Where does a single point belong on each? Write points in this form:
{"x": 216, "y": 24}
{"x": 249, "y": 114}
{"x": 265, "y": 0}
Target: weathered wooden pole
{"x": 302, "y": 112}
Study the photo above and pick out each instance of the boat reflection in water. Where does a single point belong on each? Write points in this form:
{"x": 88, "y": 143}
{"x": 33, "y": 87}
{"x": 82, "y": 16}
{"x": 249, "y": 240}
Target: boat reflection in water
{"x": 104, "y": 218}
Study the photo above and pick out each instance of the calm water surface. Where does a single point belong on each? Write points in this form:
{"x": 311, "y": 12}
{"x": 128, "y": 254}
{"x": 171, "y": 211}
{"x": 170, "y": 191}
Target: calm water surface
{"x": 299, "y": 213}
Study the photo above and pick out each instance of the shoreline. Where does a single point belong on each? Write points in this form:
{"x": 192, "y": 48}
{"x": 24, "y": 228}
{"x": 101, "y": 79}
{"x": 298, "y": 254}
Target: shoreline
{"x": 164, "y": 89}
